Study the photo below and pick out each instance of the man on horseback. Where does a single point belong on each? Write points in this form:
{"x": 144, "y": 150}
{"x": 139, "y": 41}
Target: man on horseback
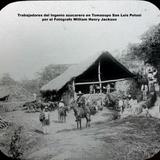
{"x": 81, "y": 111}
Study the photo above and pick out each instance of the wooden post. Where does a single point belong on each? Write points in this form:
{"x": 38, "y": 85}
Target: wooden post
{"x": 99, "y": 77}
{"x": 74, "y": 92}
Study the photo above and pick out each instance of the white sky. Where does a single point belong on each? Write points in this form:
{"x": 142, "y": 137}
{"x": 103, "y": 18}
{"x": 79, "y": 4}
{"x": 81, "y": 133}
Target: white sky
{"x": 28, "y": 44}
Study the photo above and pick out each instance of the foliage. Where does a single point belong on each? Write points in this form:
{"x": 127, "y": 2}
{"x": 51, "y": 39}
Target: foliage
{"x": 16, "y": 149}
{"x": 32, "y": 86}
{"x": 50, "y": 72}
{"x": 43, "y": 77}
{"x": 149, "y": 48}
{"x": 152, "y": 97}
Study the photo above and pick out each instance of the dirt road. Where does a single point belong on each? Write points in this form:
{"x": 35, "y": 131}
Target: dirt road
{"x": 104, "y": 140}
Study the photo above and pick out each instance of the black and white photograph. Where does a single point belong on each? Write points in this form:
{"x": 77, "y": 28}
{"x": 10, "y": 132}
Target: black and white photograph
{"x": 80, "y": 80}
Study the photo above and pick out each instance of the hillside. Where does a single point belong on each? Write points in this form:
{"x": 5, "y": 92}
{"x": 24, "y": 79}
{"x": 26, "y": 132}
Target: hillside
{"x": 16, "y": 93}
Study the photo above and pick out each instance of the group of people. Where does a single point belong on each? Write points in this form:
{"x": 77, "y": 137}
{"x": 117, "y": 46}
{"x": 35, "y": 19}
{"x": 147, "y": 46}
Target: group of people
{"x": 152, "y": 84}
{"x": 44, "y": 116}
{"x": 126, "y": 102}
{"x": 95, "y": 88}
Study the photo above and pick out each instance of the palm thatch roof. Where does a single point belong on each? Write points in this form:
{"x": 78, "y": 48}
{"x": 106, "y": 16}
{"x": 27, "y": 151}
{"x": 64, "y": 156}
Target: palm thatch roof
{"x": 85, "y": 71}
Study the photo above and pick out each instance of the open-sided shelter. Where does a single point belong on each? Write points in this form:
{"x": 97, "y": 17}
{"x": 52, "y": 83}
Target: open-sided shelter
{"x": 99, "y": 70}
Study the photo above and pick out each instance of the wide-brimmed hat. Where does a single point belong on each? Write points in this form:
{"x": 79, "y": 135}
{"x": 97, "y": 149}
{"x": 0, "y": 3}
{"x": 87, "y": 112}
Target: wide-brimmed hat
{"x": 79, "y": 93}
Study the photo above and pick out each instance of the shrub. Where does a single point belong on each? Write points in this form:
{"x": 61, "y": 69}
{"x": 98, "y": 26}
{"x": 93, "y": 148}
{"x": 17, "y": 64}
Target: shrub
{"x": 16, "y": 149}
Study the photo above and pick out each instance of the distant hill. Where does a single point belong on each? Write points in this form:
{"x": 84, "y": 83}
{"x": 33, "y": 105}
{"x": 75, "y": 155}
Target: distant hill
{"x": 45, "y": 75}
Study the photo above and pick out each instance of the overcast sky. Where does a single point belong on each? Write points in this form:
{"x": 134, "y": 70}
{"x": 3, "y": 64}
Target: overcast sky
{"x": 28, "y": 44}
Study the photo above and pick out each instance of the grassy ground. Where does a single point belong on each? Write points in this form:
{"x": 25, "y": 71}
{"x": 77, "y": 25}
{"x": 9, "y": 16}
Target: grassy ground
{"x": 131, "y": 138}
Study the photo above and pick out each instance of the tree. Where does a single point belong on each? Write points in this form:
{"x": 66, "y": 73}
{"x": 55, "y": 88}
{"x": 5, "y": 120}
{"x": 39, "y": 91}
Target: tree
{"x": 31, "y": 86}
{"x": 149, "y": 48}
{"x": 50, "y": 72}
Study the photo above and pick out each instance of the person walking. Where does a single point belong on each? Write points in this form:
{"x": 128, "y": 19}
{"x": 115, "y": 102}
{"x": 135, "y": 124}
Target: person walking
{"x": 41, "y": 118}
{"x": 144, "y": 89}
{"x": 45, "y": 120}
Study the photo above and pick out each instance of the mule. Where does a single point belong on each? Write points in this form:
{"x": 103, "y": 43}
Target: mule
{"x": 62, "y": 113}
{"x": 80, "y": 113}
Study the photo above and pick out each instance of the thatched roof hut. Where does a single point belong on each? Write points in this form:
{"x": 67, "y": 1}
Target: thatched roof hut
{"x": 99, "y": 69}
{"x": 14, "y": 93}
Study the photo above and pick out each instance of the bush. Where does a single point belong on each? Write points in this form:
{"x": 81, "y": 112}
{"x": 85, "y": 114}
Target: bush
{"x": 16, "y": 149}
{"x": 128, "y": 87}
{"x": 152, "y": 97}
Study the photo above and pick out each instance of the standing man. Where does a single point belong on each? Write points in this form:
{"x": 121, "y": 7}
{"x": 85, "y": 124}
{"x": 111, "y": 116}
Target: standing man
{"x": 44, "y": 118}
{"x": 46, "y": 121}
{"x": 121, "y": 105}
{"x": 144, "y": 89}
{"x": 60, "y": 107}
{"x": 34, "y": 97}
{"x": 91, "y": 89}
{"x": 108, "y": 88}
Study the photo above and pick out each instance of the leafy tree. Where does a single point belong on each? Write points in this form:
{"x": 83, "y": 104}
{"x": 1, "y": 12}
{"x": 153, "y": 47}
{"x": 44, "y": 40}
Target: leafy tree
{"x": 50, "y": 72}
{"x": 32, "y": 86}
{"x": 43, "y": 77}
{"x": 148, "y": 50}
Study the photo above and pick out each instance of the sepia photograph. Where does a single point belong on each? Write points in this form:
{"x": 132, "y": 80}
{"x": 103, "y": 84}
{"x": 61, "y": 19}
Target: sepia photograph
{"x": 80, "y": 80}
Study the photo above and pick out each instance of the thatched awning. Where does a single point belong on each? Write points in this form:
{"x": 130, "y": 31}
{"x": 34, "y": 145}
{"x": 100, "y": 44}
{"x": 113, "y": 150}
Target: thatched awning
{"x": 111, "y": 69}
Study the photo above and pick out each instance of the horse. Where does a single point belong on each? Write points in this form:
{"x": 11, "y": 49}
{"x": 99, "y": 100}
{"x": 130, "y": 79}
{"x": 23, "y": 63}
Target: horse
{"x": 62, "y": 113}
{"x": 81, "y": 112}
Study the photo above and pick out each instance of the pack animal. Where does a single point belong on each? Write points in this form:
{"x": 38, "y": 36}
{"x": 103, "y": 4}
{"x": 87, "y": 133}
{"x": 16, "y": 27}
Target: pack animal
{"x": 62, "y": 113}
{"x": 80, "y": 113}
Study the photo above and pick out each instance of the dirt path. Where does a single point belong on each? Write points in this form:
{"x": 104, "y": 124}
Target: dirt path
{"x": 64, "y": 141}
{"x": 129, "y": 138}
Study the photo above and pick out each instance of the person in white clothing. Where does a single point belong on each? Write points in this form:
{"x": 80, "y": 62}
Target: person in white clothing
{"x": 60, "y": 106}
{"x": 46, "y": 121}
{"x": 121, "y": 105}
